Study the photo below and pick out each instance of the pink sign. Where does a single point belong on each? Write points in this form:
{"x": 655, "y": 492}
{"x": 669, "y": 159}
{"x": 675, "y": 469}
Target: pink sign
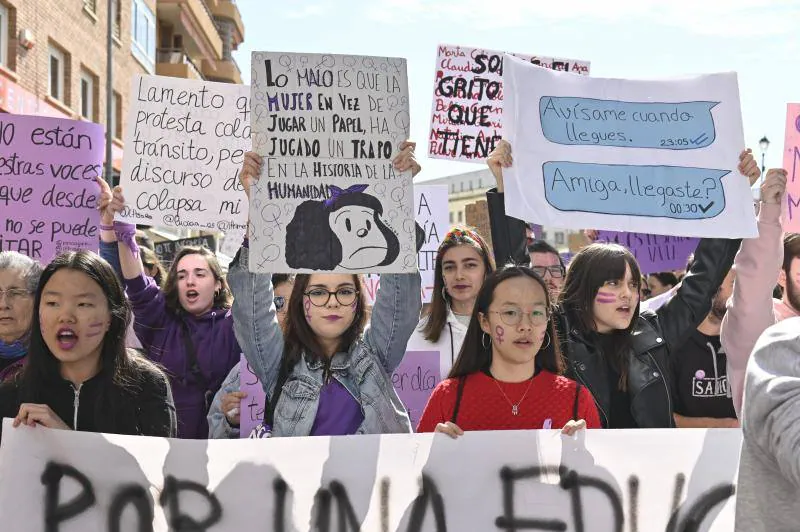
{"x": 791, "y": 163}
{"x": 414, "y": 379}
{"x": 252, "y": 406}
{"x": 48, "y": 192}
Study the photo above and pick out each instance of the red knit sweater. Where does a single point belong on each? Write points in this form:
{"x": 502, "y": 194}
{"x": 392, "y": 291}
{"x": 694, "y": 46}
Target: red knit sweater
{"x": 549, "y": 404}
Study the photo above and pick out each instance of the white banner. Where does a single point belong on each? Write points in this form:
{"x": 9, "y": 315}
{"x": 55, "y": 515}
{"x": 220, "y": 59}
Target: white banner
{"x": 642, "y": 480}
{"x": 185, "y": 141}
{"x": 329, "y": 199}
{"x": 639, "y": 156}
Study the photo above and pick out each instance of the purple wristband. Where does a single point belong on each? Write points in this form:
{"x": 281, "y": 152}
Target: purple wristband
{"x": 106, "y": 227}
{"x": 126, "y": 233}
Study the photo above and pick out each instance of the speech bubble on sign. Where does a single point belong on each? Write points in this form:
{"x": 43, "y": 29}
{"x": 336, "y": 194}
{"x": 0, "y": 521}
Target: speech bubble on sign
{"x": 592, "y": 122}
{"x": 653, "y": 191}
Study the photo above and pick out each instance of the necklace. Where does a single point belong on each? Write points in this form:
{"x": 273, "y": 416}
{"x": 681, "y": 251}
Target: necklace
{"x": 514, "y": 407}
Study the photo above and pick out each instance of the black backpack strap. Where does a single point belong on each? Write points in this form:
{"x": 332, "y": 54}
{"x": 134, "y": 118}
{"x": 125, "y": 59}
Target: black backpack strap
{"x": 576, "y": 403}
{"x": 461, "y": 382}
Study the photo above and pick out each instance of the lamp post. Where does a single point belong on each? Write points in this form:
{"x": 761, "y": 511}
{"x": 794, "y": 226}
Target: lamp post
{"x": 764, "y": 145}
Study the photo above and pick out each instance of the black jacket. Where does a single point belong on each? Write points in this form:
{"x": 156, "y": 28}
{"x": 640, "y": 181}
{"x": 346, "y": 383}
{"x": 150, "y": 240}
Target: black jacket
{"x": 654, "y": 337}
{"x": 146, "y": 408}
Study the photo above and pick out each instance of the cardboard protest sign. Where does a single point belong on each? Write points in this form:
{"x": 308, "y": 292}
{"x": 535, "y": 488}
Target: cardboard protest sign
{"x": 644, "y": 480}
{"x": 184, "y": 146}
{"x": 626, "y": 155}
{"x": 251, "y": 410}
{"x": 791, "y": 163}
{"x": 654, "y": 253}
{"x": 329, "y": 199}
{"x": 166, "y": 250}
{"x": 431, "y": 213}
{"x": 414, "y": 379}
{"x": 477, "y": 216}
{"x": 48, "y": 192}
{"x": 467, "y": 112}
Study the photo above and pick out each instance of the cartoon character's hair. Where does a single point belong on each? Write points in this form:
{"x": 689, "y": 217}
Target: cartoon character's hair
{"x": 312, "y": 244}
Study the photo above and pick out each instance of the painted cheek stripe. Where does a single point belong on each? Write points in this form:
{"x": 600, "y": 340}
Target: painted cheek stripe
{"x": 605, "y": 297}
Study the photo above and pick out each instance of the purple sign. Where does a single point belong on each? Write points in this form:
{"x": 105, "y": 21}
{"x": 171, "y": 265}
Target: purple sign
{"x": 414, "y": 379}
{"x": 48, "y": 192}
{"x": 252, "y": 406}
{"x": 655, "y": 253}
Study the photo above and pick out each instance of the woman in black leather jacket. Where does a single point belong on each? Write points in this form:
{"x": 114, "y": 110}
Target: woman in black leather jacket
{"x": 619, "y": 354}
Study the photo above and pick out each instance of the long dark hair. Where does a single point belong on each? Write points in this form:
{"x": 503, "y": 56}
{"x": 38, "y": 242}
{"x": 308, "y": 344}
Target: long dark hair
{"x": 222, "y": 299}
{"x": 150, "y": 260}
{"x": 437, "y": 311}
{"x": 120, "y": 370}
{"x": 474, "y": 356}
{"x": 588, "y": 271}
{"x": 299, "y": 339}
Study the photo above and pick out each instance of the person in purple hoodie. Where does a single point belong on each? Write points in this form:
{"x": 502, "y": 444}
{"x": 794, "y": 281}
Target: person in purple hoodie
{"x": 187, "y": 327}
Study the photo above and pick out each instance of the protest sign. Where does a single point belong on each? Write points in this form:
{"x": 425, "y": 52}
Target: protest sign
{"x": 184, "y": 146}
{"x": 791, "y": 163}
{"x": 431, "y": 213}
{"x": 626, "y": 155}
{"x": 466, "y": 118}
{"x": 166, "y": 250}
{"x": 654, "y": 253}
{"x": 414, "y": 379}
{"x": 476, "y": 215}
{"x": 251, "y": 410}
{"x": 643, "y": 480}
{"x": 231, "y": 241}
{"x": 48, "y": 192}
{"x": 329, "y": 199}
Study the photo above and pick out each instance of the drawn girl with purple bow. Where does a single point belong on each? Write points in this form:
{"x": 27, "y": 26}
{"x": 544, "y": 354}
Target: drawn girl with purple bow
{"x": 344, "y": 231}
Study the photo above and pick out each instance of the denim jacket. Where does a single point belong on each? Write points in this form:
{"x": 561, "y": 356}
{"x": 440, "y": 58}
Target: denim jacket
{"x": 365, "y": 371}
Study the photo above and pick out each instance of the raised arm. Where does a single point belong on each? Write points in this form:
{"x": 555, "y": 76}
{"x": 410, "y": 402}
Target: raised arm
{"x": 110, "y": 203}
{"x": 509, "y": 242}
{"x": 757, "y": 266}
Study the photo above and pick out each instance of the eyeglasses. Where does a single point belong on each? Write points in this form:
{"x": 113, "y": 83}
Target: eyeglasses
{"x": 280, "y": 303}
{"x": 319, "y": 297}
{"x": 557, "y": 272}
{"x": 513, "y": 316}
{"x": 14, "y": 294}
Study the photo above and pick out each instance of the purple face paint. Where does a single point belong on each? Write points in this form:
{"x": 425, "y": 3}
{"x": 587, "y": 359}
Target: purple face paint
{"x": 499, "y": 335}
{"x": 93, "y": 327}
{"x": 606, "y": 297}
{"x": 307, "y": 306}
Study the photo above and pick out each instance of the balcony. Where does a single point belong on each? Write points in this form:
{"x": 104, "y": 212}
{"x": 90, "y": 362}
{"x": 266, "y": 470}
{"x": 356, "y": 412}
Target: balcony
{"x": 193, "y": 20}
{"x": 227, "y": 10}
{"x": 225, "y": 70}
{"x": 176, "y": 63}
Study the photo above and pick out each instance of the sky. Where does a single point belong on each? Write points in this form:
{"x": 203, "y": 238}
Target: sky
{"x": 636, "y": 39}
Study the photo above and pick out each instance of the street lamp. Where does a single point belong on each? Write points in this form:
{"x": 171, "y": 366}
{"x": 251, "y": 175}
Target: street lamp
{"x": 764, "y": 145}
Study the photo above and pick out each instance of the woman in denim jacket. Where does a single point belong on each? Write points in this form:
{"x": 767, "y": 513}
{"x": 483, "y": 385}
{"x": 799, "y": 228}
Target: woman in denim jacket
{"x": 332, "y": 375}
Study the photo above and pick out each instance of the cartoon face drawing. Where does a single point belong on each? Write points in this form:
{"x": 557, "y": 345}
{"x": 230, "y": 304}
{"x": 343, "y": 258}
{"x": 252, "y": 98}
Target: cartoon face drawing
{"x": 363, "y": 244}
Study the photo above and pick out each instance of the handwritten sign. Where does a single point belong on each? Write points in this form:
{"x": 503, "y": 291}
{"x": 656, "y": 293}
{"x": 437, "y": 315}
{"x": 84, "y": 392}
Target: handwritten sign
{"x": 654, "y": 253}
{"x": 626, "y": 155}
{"x": 414, "y": 379}
{"x": 477, "y": 216}
{"x": 466, "y": 118}
{"x": 645, "y": 480}
{"x": 431, "y": 213}
{"x": 329, "y": 198}
{"x": 48, "y": 192}
{"x": 184, "y": 145}
{"x": 231, "y": 242}
{"x": 251, "y": 410}
{"x": 166, "y": 250}
{"x": 791, "y": 163}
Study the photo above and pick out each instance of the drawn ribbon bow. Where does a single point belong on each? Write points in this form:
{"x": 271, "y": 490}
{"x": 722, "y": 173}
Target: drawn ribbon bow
{"x": 337, "y": 192}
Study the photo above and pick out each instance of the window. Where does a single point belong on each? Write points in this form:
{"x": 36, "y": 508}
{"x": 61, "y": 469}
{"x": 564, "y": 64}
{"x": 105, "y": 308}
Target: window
{"x": 544, "y": 235}
{"x": 117, "y": 28}
{"x": 4, "y": 25}
{"x": 451, "y": 217}
{"x": 56, "y": 74}
{"x": 90, "y": 5}
{"x": 460, "y": 217}
{"x": 559, "y": 238}
{"x": 116, "y": 112}
{"x": 143, "y": 32}
{"x": 88, "y": 86}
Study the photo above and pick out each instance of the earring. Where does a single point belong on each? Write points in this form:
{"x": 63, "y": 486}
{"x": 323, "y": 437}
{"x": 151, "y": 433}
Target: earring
{"x": 545, "y": 346}
{"x": 484, "y": 336}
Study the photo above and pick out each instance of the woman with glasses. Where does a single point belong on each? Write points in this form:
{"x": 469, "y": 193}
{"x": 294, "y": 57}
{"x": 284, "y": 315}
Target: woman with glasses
{"x": 621, "y": 355}
{"x": 507, "y": 375}
{"x": 19, "y": 277}
{"x": 326, "y": 372}
{"x": 225, "y": 412}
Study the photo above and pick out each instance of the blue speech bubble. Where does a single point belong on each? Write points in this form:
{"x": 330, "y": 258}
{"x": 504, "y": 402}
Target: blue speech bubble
{"x": 654, "y": 191}
{"x": 592, "y": 122}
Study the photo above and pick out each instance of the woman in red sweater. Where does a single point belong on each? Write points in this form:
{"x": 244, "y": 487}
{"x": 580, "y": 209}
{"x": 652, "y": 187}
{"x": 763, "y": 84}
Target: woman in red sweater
{"x": 507, "y": 375}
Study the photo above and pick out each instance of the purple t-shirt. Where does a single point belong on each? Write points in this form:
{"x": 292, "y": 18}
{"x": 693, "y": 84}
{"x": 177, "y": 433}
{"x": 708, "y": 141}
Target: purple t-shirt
{"x": 338, "y": 413}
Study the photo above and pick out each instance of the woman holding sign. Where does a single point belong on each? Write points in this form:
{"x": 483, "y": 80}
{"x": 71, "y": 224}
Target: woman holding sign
{"x": 507, "y": 375}
{"x": 186, "y": 327}
{"x": 327, "y": 374}
{"x": 78, "y": 374}
{"x": 620, "y": 355}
